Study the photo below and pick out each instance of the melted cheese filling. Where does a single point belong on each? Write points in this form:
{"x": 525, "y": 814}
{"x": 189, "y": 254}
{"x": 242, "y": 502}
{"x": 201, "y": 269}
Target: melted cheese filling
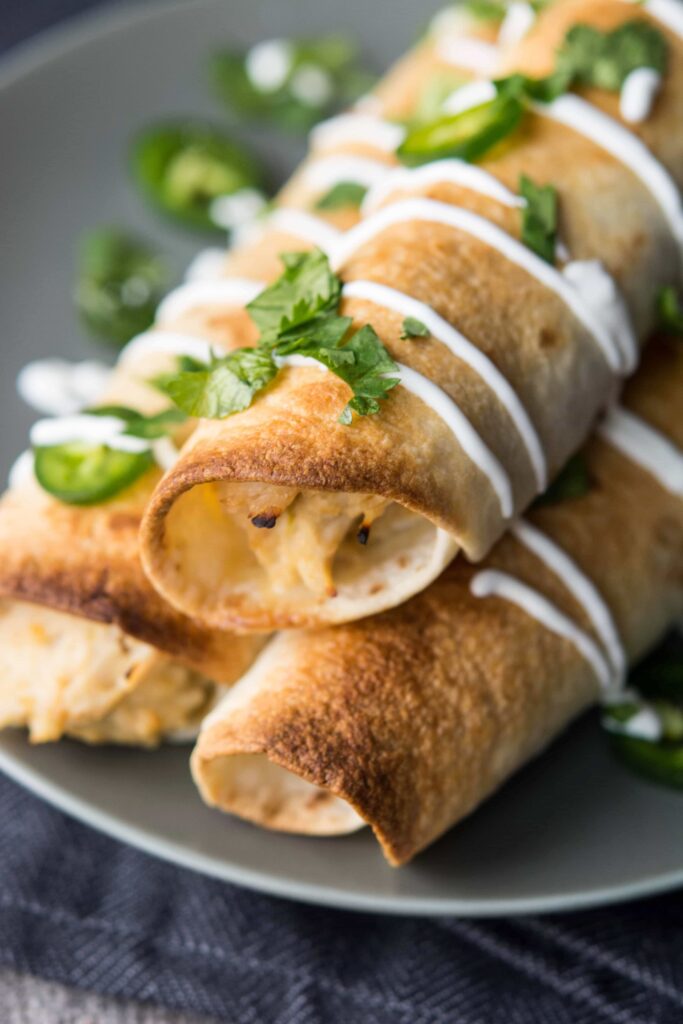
{"x": 63, "y": 675}
{"x": 307, "y": 533}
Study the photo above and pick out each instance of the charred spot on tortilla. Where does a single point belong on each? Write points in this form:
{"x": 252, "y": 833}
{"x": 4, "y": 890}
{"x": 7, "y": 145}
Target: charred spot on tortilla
{"x": 363, "y": 534}
{"x": 264, "y": 521}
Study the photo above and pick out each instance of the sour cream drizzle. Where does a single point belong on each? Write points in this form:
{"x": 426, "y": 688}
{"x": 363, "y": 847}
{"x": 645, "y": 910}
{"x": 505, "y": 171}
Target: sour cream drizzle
{"x": 229, "y": 291}
{"x": 644, "y": 445}
{"x": 469, "y": 440}
{"x": 585, "y": 119}
{"x": 327, "y": 171}
{"x": 171, "y": 343}
{"x": 451, "y": 414}
{"x": 463, "y": 349}
{"x": 469, "y": 53}
{"x": 669, "y": 12}
{"x": 493, "y": 583}
{"x": 455, "y": 172}
{"x": 431, "y": 211}
{"x": 207, "y": 265}
{"x": 358, "y": 127}
{"x": 305, "y": 226}
{"x": 599, "y": 291}
{"x": 581, "y": 587}
{"x": 473, "y": 94}
{"x": 638, "y": 94}
{"x": 88, "y": 429}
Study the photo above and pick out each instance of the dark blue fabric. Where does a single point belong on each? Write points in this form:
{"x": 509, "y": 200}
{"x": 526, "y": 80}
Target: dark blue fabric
{"x": 82, "y": 909}
{"x": 79, "y": 907}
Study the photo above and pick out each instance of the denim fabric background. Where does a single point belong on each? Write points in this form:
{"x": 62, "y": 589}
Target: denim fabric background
{"x": 80, "y": 908}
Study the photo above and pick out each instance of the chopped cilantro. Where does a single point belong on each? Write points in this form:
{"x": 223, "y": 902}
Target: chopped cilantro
{"x": 605, "y": 59}
{"x": 670, "y": 310}
{"x": 413, "y": 328}
{"x": 539, "y": 218}
{"x": 572, "y": 482}
{"x": 344, "y": 193}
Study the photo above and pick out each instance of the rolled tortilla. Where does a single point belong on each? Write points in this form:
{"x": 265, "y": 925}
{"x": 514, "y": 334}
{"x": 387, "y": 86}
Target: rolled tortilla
{"x": 258, "y": 524}
{"x": 408, "y": 720}
{"x": 87, "y": 647}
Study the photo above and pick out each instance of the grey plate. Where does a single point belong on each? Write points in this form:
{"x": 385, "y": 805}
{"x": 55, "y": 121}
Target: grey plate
{"x": 573, "y": 829}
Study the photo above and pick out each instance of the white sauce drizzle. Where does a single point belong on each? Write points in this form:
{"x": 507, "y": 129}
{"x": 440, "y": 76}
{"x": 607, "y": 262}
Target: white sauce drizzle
{"x": 456, "y": 172}
{"x": 669, "y": 12}
{"x": 599, "y": 291}
{"x": 611, "y": 136}
{"x": 229, "y": 291}
{"x": 431, "y": 211}
{"x": 296, "y": 360}
{"x": 207, "y": 265}
{"x": 165, "y": 452}
{"x": 469, "y": 440}
{"x": 463, "y": 349}
{"x": 638, "y": 94}
{"x": 473, "y": 94}
{"x": 358, "y": 127}
{"x": 469, "y": 54}
{"x": 166, "y": 343}
{"x": 234, "y": 210}
{"x": 645, "y": 446}
{"x": 305, "y": 226}
{"x": 444, "y": 406}
{"x": 517, "y": 22}
{"x": 644, "y": 725}
{"x": 493, "y": 583}
{"x": 21, "y": 470}
{"x": 582, "y": 588}
{"x": 89, "y": 429}
{"x": 58, "y": 387}
{"x": 327, "y": 171}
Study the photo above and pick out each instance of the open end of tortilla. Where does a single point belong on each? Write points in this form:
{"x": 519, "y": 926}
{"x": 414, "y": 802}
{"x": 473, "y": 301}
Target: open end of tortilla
{"x": 64, "y": 675}
{"x": 299, "y": 569}
{"x": 252, "y": 787}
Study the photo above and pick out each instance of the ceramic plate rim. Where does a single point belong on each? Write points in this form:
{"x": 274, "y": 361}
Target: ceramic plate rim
{"x": 20, "y": 61}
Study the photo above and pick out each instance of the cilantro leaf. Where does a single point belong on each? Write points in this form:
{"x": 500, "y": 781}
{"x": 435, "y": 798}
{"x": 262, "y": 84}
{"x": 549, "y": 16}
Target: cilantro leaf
{"x": 670, "y": 310}
{"x": 414, "y": 328}
{"x": 539, "y": 218}
{"x": 572, "y": 482}
{"x": 486, "y": 10}
{"x": 605, "y": 59}
{"x": 227, "y": 385}
{"x": 367, "y": 374}
{"x": 344, "y": 193}
{"x": 543, "y": 90}
{"x": 139, "y": 425}
{"x": 306, "y": 290}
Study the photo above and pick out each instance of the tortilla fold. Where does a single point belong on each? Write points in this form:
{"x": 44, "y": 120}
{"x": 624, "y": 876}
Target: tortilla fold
{"x": 282, "y": 517}
{"x": 408, "y": 720}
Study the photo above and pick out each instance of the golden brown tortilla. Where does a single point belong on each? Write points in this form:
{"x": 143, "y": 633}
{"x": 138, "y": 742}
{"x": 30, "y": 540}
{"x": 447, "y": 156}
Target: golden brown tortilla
{"x": 287, "y": 462}
{"x": 408, "y": 720}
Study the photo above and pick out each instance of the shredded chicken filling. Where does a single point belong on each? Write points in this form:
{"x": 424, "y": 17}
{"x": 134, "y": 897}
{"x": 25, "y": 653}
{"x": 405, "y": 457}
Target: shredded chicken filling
{"x": 296, "y": 536}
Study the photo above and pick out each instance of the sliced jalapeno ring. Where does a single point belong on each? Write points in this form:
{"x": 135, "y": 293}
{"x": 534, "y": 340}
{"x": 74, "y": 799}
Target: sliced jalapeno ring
{"x": 182, "y": 167}
{"x": 139, "y": 425}
{"x": 120, "y": 281}
{"x": 81, "y": 473}
{"x": 467, "y": 135}
{"x": 661, "y": 762}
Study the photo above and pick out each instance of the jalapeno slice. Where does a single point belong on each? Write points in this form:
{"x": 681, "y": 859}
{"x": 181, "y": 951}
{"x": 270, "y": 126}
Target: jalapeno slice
{"x": 81, "y": 473}
{"x": 120, "y": 281}
{"x": 467, "y": 135}
{"x": 182, "y": 167}
{"x": 661, "y": 762}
